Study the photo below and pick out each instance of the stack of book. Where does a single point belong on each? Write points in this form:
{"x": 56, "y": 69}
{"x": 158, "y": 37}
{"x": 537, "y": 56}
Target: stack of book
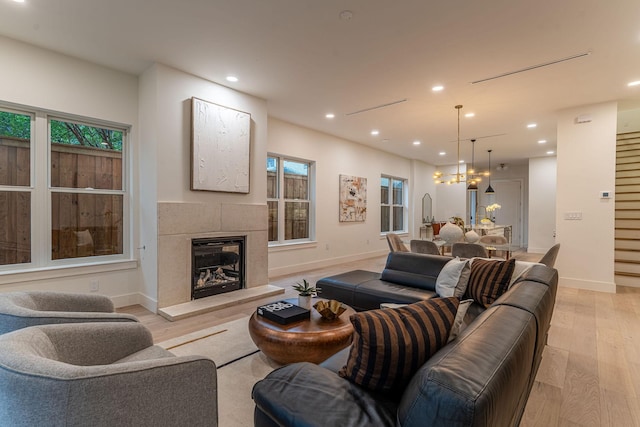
{"x": 283, "y": 312}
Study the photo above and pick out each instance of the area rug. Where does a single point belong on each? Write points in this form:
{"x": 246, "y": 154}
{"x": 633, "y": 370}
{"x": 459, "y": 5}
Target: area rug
{"x": 240, "y": 365}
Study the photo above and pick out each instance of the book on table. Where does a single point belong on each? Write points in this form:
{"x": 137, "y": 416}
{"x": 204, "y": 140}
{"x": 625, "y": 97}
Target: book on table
{"x": 283, "y": 312}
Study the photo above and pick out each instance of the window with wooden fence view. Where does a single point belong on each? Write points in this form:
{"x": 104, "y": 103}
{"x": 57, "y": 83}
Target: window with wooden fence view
{"x": 392, "y": 209}
{"x": 85, "y": 191}
{"x": 288, "y": 199}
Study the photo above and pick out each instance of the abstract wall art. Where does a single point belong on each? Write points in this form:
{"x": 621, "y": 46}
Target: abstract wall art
{"x": 220, "y": 143}
{"x": 353, "y": 198}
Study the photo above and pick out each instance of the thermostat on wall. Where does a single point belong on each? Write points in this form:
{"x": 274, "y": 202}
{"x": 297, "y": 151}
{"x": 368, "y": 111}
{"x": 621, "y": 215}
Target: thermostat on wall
{"x": 605, "y": 194}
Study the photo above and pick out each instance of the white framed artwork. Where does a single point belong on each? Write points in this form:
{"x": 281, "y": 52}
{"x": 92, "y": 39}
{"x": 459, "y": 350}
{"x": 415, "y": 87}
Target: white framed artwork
{"x": 220, "y": 144}
{"x": 353, "y": 199}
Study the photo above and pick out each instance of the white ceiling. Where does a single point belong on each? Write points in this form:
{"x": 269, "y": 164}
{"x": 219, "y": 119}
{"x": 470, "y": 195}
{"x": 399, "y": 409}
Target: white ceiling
{"x": 306, "y": 61}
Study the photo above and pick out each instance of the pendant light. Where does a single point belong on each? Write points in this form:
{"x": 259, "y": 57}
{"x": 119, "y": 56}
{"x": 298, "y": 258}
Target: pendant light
{"x": 489, "y": 188}
{"x": 473, "y": 184}
{"x": 459, "y": 177}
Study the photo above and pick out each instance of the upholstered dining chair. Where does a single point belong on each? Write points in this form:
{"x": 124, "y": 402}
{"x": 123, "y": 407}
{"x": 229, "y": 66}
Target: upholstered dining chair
{"x": 549, "y": 259}
{"x": 22, "y": 309}
{"x": 395, "y": 243}
{"x": 101, "y": 374}
{"x": 495, "y": 240}
{"x": 424, "y": 247}
{"x": 468, "y": 250}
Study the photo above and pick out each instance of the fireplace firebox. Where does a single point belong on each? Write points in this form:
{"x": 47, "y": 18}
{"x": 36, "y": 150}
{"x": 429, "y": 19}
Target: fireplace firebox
{"x": 218, "y": 265}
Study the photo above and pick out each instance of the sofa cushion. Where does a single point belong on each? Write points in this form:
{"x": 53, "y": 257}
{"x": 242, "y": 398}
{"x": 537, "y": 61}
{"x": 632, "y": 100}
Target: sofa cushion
{"x": 452, "y": 279}
{"x": 489, "y": 279}
{"x": 390, "y": 345}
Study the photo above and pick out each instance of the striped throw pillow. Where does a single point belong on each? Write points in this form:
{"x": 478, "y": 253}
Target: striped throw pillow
{"x": 489, "y": 279}
{"x": 390, "y": 345}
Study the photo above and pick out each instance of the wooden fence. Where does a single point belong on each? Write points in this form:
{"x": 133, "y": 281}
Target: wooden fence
{"x": 82, "y": 224}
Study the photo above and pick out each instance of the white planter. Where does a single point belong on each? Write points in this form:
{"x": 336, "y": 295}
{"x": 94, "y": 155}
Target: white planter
{"x": 471, "y": 236}
{"x": 451, "y": 233}
{"x": 304, "y": 301}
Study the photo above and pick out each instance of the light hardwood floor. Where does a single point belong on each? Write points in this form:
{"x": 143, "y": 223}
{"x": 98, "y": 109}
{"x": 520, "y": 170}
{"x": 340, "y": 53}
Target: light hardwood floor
{"x": 590, "y": 371}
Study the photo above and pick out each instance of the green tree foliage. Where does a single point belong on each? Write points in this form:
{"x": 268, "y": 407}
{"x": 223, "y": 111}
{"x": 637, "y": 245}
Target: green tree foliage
{"x": 88, "y": 136}
{"x": 15, "y": 125}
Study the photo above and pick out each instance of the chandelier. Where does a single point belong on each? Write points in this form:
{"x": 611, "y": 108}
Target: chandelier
{"x": 457, "y": 177}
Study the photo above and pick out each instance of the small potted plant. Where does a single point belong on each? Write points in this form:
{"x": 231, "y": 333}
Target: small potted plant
{"x": 305, "y": 292}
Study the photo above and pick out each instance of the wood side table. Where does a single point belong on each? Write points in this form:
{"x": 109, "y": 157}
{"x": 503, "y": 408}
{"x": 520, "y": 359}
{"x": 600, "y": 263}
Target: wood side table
{"x": 313, "y": 340}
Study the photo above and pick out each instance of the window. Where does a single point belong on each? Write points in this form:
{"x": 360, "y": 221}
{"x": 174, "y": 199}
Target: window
{"x": 392, "y": 204}
{"x": 290, "y": 205}
{"x": 75, "y": 207}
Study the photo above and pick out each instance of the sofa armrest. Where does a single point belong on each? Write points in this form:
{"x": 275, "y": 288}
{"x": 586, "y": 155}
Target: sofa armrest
{"x": 309, "y": 395}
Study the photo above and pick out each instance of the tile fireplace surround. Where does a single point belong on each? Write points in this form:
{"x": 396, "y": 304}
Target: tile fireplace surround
{"x": 178, "y": 223}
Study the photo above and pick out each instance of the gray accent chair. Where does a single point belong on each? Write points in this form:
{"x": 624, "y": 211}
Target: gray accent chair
{"x": 22, "y": 309}
{"x": 468, "y": 250}
{"x": 101, "y": 374}
{"x": 424, "y": 247}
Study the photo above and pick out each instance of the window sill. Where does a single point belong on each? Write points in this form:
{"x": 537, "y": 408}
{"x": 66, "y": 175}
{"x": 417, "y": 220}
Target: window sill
{"x": 56, "y": 272}
{"x": 279, "y": 247}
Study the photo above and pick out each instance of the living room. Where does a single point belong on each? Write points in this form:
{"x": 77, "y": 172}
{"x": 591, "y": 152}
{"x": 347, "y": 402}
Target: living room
{"x": 164, "y": 213}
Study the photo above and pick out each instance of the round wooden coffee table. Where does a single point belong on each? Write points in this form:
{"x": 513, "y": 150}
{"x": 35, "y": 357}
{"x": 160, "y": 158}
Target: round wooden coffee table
{"x": 312, "y": 340}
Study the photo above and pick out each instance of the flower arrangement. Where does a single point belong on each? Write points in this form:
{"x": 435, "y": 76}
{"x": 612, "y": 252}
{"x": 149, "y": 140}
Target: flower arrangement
{"x": 490, "y": 209}
{"x": 493, "y": 207}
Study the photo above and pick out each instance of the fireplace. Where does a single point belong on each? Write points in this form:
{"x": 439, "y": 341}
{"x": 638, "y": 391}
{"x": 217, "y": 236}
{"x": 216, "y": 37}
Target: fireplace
{"x": 217, "y": 265}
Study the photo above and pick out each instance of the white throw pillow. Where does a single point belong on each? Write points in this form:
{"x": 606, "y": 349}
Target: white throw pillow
{"x": 521, "y": 268}
{"x": 458, "y": 322}
{"x": 453, "y": 278}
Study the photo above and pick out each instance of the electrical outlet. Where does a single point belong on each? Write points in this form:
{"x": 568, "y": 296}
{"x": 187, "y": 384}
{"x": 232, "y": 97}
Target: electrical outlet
{"x": 94, "y": 286}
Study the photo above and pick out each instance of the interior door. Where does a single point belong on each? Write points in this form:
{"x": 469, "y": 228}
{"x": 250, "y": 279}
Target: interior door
{"x": 508, "y": 194}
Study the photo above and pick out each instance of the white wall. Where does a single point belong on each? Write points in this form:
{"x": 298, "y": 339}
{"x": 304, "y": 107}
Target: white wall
{"x": 450, "y": 199}
{"x": 421, "y": 181}
{"x": 586, "y": 165}
{"x": 43, "y": 79}
{"x": 629, "y": 121}
{"x": 542, "y": 203}
{"x": 336, "y": 241}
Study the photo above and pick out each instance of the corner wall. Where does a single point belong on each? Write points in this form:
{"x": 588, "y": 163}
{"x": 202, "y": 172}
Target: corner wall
{"x": 341, "y": 241}
{"x": 586, "y": 166}
{"x": 542, "y": 204}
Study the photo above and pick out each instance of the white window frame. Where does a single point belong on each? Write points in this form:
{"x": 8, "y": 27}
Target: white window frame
{"x": 391, "y": 205}
{"x": 281, "y": 241}
{"x": 41, "y": 193}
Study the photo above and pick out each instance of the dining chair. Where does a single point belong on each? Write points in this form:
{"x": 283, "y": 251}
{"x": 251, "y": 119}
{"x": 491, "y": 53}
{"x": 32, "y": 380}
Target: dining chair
{"x": 395, "y": 243}
{"x": 424, "y": 247}
{"x": 468, "y": 250}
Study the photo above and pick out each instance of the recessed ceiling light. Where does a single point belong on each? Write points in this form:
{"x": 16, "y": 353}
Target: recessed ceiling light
{"x": 442, "y": 153}
{"x": 330, "y": 115}
{"x": 542, "y": 141}
{"x": 550, "y": 152}
{"x": 470, "y": 115}
{"x": 232, "y": 79}
{"x": 416, "y": 142}
{"x": 19, "y": 1}
{"x": 636, "y": 83}
{"x": 375, "y": 132}
{"x": 437, "y": 88}
{"x": 532, "y": 125}
{"x": 460, "y": 161}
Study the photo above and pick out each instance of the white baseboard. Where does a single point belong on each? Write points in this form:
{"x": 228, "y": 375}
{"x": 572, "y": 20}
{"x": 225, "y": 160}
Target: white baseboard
{"x": 587, "y": 284}
{"x": 297, "y": 268}
{"x": 135, "y": 298}
{"x": 537, "y": 250}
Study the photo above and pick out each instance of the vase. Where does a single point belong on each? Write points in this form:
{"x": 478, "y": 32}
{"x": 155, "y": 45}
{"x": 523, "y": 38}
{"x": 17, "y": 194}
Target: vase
{"x": 304, "y": 301}
{"x": 451, "y": 233}
{"x": 471, "y": 236}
